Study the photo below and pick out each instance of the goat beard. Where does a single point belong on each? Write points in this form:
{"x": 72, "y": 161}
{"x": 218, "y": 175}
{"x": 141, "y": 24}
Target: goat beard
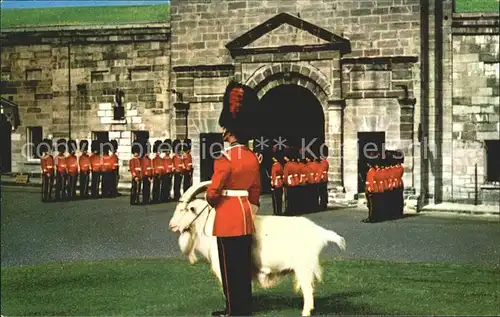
{"x": 186, "y": 244}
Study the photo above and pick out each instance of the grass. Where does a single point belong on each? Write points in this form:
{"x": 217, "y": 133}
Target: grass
{"x": 477, "y": 6}
{"x": 84, "y": 15}
{"x": 152, "y": 287}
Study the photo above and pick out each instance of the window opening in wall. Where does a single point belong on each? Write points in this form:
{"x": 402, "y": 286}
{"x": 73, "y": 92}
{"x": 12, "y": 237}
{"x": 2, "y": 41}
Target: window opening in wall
{"x": 98, "y": 76}
{"x": 33, "y": 74}
{"x": 34, "y": 137}
{"x": 492, "y": 163}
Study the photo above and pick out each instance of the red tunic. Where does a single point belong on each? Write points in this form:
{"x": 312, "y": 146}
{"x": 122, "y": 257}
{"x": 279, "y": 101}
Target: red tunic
{"x": 370, "y": 185}
{"x": 188, "y": 162}
{"x": 114, "y": 161}
{"x": 324, "y": 170}
{"x": 288, "y": 171}
{"x": 107, "y": 163}
{"x": 147, "y": 166}
{"x": 134, "y": 166}
{"x": 168, "y": 164}
{"x": 178, "y": 163}
{"x": 237, "y": 169}
{"x": 72, "y": 165}
{"x": 277, "y": 175}
{"x": 303, "y": 171}
{"x": 61, "y": 164}
{"x": 400, "y": 173}
{"x": 317, "y": 171}
{"x": 311, "y": 173}
{"x": 158, "y": 167}
{"x": 95, "y": 162}
{"x": 379, "y": 180}
{"x": 47, "y": 164}
{"x": 84, "y": 163}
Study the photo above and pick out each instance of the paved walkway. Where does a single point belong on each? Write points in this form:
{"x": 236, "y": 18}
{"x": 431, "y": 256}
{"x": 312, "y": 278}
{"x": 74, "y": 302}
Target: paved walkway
{"x": 34, "y": 233}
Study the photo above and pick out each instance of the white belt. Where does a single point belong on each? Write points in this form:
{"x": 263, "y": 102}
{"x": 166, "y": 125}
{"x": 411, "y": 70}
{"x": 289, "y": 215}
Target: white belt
{"x": 234, "y": 193}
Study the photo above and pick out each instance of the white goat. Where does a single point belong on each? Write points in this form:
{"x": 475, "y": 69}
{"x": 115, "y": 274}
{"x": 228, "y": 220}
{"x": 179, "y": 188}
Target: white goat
{"x": 281, "y": 245}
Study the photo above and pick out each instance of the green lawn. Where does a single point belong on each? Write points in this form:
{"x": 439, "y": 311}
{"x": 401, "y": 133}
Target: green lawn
{"x": 85, "y": 15}
{"x": 172, "y": 287}
{"x": 477, "y": 6}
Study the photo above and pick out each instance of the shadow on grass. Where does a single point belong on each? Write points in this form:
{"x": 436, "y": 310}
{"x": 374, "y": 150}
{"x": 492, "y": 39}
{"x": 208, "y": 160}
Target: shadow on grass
{"x": 335, "y": 304}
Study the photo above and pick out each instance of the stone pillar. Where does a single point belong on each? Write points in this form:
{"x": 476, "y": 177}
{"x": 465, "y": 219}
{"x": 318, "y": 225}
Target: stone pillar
{"x": 333, "y": 139}
{"x": 406, "y": 130}
{"x": 181, "y": 119}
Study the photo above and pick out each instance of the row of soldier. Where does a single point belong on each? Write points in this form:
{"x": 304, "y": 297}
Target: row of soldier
{"x": 161, "y": 171}
{"x": 70, "y": 172}
{"x": 97, "y": 175}
{"x": 384, "y": 187}
{"x": 301, "y": 178}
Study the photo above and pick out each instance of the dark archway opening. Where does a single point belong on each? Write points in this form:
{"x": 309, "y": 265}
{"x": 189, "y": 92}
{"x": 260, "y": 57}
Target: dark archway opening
{"x": 293, "y": 113}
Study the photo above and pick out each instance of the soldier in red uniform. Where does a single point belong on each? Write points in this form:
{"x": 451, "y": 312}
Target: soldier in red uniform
{"x": 72, "y": 168}
{"x": 235, "y": 187}
{"x": 378, "y": 191}
{"x": 61, "y": 171}
{"x": 116, "y": 166}
{"x": 277, "y": 182}
{"x": 290, "y": 181}
{"x": 84, "y": 164}
{"x": 47, "y": 166}
{"x": 107, "y": 174}
{"x": 323, "y": 187}
{"x": 178, "y": 168}
{"x": 312, "y": 203}
{"x": 95, "y": 165}
{"x": 166, "y": 182}
{"x": 158, "y": 171}
{"x": 147, "y": 174}
{"x": 370, "y": 188}
{"x": 134, "y": 166}
{"x": 187, "y": 160}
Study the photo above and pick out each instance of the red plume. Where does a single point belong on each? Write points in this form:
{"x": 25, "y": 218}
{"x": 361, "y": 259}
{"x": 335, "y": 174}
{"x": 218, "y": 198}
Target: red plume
{"x": 235, "y": 98}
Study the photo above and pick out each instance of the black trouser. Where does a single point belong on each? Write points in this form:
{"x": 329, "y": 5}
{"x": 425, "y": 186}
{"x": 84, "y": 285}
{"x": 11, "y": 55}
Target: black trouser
{"x": 315, "y": 189}
{"x": 166, "y": 186}
{"x": 71, "y": 187}
{"x": 61, "y": 181}
{"x": 135, "y": 192}
{"x": 323, "y": 195}
{"x": 377, "y": 206}
{"x": 96, "y": 182}
{"x": 47, "y": 183}
{"x": 187, "y": 181}
{"x": 177, "y": 185}
{"x": 84, "y": 184}
{"x": 290, "y": 200}
{"x": 235, "y": 259}
{"x": 369, "y": 204}
{"x": 146, "y": 189}
{"x": 108, "y": 183}
{"x": 116, "y": 178}
{"x": 156, "y": 188}
{"x": 277, "y": 200}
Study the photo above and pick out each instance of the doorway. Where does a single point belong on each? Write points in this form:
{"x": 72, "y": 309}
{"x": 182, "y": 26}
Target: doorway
{"x": 210, "y": 145}
{"x": 292, "y": 113}
{"x": 6, "y": 141}
{"x": 370, "y": 146}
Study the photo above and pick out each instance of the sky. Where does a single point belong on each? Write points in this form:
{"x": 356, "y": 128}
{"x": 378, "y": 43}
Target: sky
{"x": 75, "y": 3}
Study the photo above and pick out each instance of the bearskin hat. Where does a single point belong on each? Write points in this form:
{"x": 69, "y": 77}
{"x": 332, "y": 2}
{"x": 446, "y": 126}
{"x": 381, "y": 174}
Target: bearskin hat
{"x": 323, "y": 150}
{"x": 239, "y": 106}
{"x": 84, "y": 145}
{"x": 157, "y": 146}
{"x": 71, "y": 146}
{"x": 114, "y": 145}
{"x": 167, "y": 146}
{"x": 177, "y": 146}
{"x": 136, "y": 147}
{"x": 95, "y": 146}
{"x": 61, "y": 145}
{"x": 187, "y": 144}
{"x": 45, "y": 146}
{"x": 146, "y": 145}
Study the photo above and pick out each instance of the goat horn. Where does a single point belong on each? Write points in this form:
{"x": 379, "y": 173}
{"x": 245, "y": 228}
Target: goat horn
{"x": 194, "y": 190}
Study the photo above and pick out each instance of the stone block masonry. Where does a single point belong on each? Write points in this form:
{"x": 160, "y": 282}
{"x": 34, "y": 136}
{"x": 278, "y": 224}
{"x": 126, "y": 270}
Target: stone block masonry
{"x": 48, "y": 70}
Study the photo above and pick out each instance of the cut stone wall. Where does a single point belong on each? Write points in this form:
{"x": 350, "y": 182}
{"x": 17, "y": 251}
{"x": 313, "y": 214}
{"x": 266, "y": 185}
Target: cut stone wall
{"x": 35, "y": 74}
{"x": 476, "y": 103}
{"x": 382, "y": 27}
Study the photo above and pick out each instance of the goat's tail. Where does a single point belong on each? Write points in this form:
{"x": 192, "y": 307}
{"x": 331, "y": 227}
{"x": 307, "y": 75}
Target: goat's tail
{"x": 332, "y": 236}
